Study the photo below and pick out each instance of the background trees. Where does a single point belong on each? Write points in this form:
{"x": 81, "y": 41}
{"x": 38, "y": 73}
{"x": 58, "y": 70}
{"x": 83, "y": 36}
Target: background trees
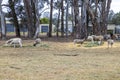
{"x": 85, "y": 14}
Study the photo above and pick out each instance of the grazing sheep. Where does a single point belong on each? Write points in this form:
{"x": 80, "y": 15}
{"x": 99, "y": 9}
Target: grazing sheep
{"x": 90, "y": 38}
{"x": 107, "y": 36}
{"x": 14, "y": 41}
{"x": 37, "y": 41}
{"x": 110, "y": 42}
{"x": 98, "y": 38}
{"x": 79, "y": 41}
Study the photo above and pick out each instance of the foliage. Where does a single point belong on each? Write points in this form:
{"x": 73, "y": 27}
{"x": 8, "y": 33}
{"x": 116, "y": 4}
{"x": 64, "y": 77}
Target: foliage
{"x": 116, "y": 19}
{"x": 44, "y": 21}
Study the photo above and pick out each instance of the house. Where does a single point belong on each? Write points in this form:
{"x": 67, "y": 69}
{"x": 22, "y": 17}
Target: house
{"x": 45, "y": 28}
{"x": 117, "y": 29}
{"x": 111, "y": 28}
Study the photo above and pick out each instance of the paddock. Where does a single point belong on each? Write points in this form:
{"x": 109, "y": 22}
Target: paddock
{"x": 59, "y": 60}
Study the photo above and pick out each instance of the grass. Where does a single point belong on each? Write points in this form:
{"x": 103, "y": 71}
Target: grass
{"x": 59, "y": 61}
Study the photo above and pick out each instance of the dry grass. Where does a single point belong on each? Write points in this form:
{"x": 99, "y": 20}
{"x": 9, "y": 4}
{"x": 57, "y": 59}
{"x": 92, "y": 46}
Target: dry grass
{"x": 59, "y": 61}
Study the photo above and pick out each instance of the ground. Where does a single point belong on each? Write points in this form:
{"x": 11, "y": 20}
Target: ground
{"x": 59, "y": 59}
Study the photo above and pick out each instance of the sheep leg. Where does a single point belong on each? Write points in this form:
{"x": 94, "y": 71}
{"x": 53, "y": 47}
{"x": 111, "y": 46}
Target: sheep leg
{"x": 20, "y": 44}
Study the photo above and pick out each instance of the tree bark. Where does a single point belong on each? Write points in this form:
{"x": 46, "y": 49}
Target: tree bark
{"x": 3, "y": 27}
{"x": 50, "y": 25}
{"x": 62, "y": 19}
{"x": 77, "y": 28}
{"x": 30, "y": 25}
{"x": 15, "y": 20}
{"x": 66, "y": 29}
{"x": 58, "y": 21}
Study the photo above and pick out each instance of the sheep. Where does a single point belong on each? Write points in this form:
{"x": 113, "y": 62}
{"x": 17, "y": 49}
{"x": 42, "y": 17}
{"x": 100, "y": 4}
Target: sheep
{"x": 107, "y": 36}
{"x": 93, "y": 38}
{"x": 78, "y": 41}
{"x": 110, "y": 42}
{"x": 98, "y": 38}
{"x": 14, "y": 41}
{"x": 37, "y": 41}
{"x": 90, "y": 38}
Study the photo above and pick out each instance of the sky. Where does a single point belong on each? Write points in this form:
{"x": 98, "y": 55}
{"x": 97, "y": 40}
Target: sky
{"x": 115, "y": 5}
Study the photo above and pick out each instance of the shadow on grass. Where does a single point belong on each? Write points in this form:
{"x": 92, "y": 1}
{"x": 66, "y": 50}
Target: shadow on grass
{"x": 28, "y": 46}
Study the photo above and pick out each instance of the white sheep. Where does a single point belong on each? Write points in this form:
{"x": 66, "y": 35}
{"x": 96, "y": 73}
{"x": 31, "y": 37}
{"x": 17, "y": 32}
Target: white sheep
{"x": 78, "y": 41}
{"x": 110, "y": 42}
{"x": 37, "y": 41}
{"x": 90, "y": 38}
{"x": 98, "y": 38}
{"x": 14, "y": 41}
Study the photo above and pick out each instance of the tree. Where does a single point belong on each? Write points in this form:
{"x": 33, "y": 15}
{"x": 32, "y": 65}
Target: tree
{"x": 15, "y": 20}
{"x": 104, "y": 15}
{"x": 3, "y": 31}
{"x": 58, "y": 6}
{"x": 32, "y": 9}
{"x": 30, "y": 25}
{"x": 50, "y": 24}
{"x": 77, "y": 20}
{"x": 98, "y": 11}
{"x": 62, "y": 18}
{"x": 44, "y": 21}
{"x": 67, "y": 18}
{"x": 116, "y": 19}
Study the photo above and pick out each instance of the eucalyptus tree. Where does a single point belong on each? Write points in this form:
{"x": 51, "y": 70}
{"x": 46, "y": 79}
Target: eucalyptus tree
{"x": 77, "y": 28}
{"x": 32, "y": 9}
{"x": 50, "y": 24}
{"x": 104, "y": 14}
{"x": 98, "y": 11}
{"x": 3, "y": 31}
{"x": 66, "y": 21}
{"x": 116, "y": 19}
{"x": 62, "y": 18}
{"x": 29, "y": 15}
{"x": 57, "y": 5}
{"x": 12, "y": 5}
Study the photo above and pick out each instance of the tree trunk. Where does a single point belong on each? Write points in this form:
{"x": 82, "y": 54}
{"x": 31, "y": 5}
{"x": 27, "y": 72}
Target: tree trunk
{"x": 37, "y": 19}
{"x": 58, "y": 21}
{"x": 50, "y": 25}
{"x": 30, "y": 25}
{"x": 62, "y": 19}
{"x": 15, "y": 20}
{"x": 83, "y": 20}
{"x": 77, "y": 28}
{"x": 104, "y": 15}
{"x": 72, "y": 12}
{"x": 3, "y": 27}
{"x": 66, "y": 29}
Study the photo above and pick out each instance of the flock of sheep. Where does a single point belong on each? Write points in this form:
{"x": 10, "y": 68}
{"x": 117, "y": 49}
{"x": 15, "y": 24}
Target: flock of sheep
{"x": 99, "y": 39}
{"x": 92, "y": 38}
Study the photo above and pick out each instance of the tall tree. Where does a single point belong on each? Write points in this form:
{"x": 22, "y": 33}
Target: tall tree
{"x": 57, "y": 6}
{"x": 67, "y": 8}
{"x": 28, "y": 10}
{"x": 104, "y": 15}
{"x": 62, "y": 18}
{"x": 77, "y": 20}
{"x": 15, "y": 20}
{"x": 50, "y": 24}
{"x": 3, "y": 30}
